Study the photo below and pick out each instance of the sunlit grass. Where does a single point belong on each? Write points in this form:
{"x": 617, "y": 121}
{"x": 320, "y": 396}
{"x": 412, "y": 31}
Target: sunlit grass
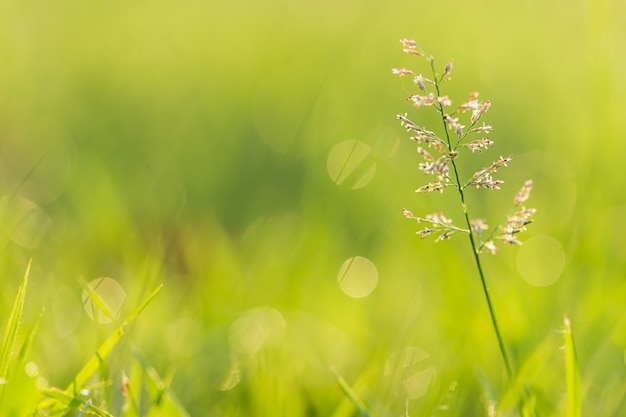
{"x": 241, "y": 153}
{"x": 7, "y": 345}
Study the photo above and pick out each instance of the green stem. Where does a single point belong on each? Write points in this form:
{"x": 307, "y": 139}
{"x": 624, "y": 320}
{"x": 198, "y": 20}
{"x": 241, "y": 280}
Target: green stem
{"x": 475, "y": 249}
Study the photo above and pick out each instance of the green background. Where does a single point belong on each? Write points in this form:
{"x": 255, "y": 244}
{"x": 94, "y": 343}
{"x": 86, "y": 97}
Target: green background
{"x": 187, "y": 143}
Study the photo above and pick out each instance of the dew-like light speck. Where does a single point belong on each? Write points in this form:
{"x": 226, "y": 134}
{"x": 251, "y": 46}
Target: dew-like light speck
{"x": 357, "y": 277}
{"x": 351, "y": 163}
{"x": 410, "y": 370}
{"x": 256, "y": 329}
{"x": 540, "y": 261}
{"x": 110, "y": 293}
{"x": 24, "y": 221}
{"x": 31, "y": 369}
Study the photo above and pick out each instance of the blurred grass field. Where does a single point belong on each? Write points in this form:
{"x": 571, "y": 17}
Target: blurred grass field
{"x": 203, "y": 145}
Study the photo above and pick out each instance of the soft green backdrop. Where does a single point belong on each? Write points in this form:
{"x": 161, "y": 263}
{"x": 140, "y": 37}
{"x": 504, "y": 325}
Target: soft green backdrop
{"x": 189, "y": 142}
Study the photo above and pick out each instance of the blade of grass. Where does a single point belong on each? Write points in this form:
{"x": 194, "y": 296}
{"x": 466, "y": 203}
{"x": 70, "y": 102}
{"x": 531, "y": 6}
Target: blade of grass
{"x": 97, "y": 302}
{"x": 10, "y": 334}
{"x": 164, "y": 400}
{"x": 132, "y": 390}
{"x": 533, "y": 369}
{"x": 25, "y": 349}
{"x": 94, "y": 363}
{"x": 354, "y": 398}
{"x": 446, "y": 400}
{"x": 572, "y": 375}
{"x": 68, "y": 401}
{"x": 105, "y": 348}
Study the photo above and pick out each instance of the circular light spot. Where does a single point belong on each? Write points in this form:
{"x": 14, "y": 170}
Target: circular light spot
{"x": 104, "y": 299}
{"x": 410, "y": 371}
{"x": 41, "y": 383}
{"x": 232, "y": 378}
{"x": 417, "y": 384}
{"x": 31, "y": 369}
{"x": 256, "y": 329}
{"x": 541, "y": 260}
{"x": 351, "y": 162}
{"x": 357, "y": 277}
{"x": 25, "y": 222}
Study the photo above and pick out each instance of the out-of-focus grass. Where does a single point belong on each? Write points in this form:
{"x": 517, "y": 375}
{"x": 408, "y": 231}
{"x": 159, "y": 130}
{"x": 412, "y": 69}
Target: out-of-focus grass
{"x": 188, "y": 144}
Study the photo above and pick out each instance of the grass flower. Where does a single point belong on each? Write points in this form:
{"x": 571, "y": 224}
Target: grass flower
{"x": 460, "y": 137}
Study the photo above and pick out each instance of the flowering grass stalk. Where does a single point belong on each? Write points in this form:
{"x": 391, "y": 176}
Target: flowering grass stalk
{"x": 462, "y": 133}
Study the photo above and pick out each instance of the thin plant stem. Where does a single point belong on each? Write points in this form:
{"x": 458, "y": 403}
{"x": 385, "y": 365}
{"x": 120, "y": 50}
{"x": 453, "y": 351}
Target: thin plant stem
{"x": 475, "y": 248}
{"x": 505, "y": 356}
{"x": 448, "y": 148}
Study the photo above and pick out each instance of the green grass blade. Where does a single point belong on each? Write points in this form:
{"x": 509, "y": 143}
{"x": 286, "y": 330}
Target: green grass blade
{"x": 28, "y": 343}
{"x": 10, "y": 334}
{"x": 70, "y": 401}
{"x": 164, "y": 401}
{"x": 132, "y": 385}
{"x": 96, "y": 302}
{"x": 354, "y": 398}
{"x": 105, "y": 348}
{"x": 572, "y": 375}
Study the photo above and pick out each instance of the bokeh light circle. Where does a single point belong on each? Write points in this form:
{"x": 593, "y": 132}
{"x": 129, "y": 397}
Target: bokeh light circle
{"x": 25, "y": 223}
{"x": 110, "y": 293}
{"x": 357, "y": 277}
{"x": 232, "y": 377}
{"x": 31, "y": 369}
{"x": 256, "y": 329}
{"x": 42, "y": 383}
{"x": 351, "y": 163}
{"x": 410, "y": 370}
{"x": 540, "y": 261}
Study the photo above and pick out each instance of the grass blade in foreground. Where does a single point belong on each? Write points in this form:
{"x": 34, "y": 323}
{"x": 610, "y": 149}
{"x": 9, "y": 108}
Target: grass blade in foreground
{"x": 70, "y": 401}
{"x": 164, "y": 401}
{"x": 103, "y": 351}
{"x": 572, "y": 376}
{"x": 10, "y": 334}
{"x": 105, "y": 348}
{"x": 354, "y": 398}
{"x": 96, "y": 301}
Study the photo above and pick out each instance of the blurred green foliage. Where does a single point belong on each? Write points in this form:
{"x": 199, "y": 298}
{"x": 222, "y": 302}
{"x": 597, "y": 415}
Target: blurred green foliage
{"x": 187, "y": 143}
